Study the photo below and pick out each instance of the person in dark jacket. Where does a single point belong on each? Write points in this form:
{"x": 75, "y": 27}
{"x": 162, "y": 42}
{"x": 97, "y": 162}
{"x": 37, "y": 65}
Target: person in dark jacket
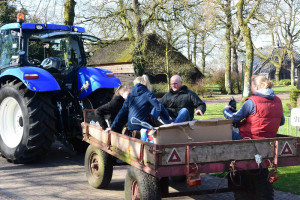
{"x": 112, "y": 107}
{"x": 139, "y": 105}
{"x": 180, "y": 102}
{"x": 262, "y": 113}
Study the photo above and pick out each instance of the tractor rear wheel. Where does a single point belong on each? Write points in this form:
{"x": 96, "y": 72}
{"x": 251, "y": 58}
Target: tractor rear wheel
{"x": 27, "y": 123}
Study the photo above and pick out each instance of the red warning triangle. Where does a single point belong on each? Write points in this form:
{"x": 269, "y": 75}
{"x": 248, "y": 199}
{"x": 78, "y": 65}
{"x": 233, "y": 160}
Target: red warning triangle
{"x": 174, "y": 157}
{"x": 286, "y": 149}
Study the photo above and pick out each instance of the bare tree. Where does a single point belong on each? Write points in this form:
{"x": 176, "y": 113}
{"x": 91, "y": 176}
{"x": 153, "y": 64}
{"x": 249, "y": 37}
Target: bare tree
{"x": 168, "y": 25}
{"x": 243, "y": 21}
{"x": 198, "y": 21}
{"x": 282, "y": 23}
{"x": 225, "y": 20}
{"x": 289, "y": 11}
{"x": 127, "y": 18}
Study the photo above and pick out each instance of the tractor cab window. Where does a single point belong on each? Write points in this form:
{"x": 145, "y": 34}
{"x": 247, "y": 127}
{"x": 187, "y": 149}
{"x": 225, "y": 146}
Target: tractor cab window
{"x": 54, "y": 53}
{"x": 9, "y": 45}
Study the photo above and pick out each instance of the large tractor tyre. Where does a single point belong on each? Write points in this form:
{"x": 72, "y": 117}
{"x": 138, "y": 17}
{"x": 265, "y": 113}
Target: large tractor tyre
{"x": 140, "y": 185}
{"x": 98, "y": 167}
{"x": 255, "y": 185}
{"x": 27, "y": 123}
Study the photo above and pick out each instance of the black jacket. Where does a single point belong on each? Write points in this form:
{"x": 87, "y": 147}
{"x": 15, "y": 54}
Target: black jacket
{"x": 185, "y": 98}
{"x": 111, "y": 108}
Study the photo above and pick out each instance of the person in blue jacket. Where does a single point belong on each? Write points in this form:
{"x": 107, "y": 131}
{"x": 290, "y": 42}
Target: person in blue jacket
{"x": 139, "y": 105}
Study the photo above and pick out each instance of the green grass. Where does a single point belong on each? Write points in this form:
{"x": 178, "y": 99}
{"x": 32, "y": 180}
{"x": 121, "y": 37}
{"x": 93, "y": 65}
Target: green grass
{"x": 282, "y": 89}
{"x": 289, "y": 177}
{"x": 213, "y": 111}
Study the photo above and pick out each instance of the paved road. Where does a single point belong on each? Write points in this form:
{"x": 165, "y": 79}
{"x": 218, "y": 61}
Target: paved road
{"x": 61, "y": 176}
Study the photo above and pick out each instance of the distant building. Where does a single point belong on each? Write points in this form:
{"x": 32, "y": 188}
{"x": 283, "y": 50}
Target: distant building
{"x": 269, "y": 69}
{"x": 117, "y": 58}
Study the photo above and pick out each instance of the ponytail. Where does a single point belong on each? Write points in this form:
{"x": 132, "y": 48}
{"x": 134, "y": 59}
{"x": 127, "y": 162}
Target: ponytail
{"x": 262, "y": 82}
{"x": 143, "y": 80}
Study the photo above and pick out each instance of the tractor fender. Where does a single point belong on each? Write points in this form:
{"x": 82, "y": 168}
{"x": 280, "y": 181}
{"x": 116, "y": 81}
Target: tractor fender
{"x": 34, "y": 78}
{"x": 97, "y": 78}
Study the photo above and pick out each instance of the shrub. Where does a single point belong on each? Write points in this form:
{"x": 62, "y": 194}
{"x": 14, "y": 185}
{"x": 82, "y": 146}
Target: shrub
{"x": 160, "y": 89}
{"x": 285, "y": 82}
{"x": 294, "y": 94}
{"x": 199, "y": 87}
{"x": 218, "y": 78}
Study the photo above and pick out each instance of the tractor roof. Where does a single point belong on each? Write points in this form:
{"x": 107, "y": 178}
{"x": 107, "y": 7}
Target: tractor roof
{"x": 39, "y": 26}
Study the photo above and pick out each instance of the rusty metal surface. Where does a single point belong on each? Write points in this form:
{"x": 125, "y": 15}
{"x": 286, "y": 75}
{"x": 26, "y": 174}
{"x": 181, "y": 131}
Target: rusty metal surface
{"x": 208, "y": 157}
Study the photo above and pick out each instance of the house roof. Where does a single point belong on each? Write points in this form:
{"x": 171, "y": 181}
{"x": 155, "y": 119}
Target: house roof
{"x": 116, "y": 52}
{"x": 154, "y": 51}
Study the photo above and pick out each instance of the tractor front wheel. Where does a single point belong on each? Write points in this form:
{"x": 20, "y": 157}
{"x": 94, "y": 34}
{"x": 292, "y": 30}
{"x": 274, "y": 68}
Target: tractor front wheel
{"x": 27, "y": 123}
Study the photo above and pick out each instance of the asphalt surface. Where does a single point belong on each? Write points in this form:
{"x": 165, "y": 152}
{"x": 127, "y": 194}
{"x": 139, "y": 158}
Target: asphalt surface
{"x": 61, "y": 175}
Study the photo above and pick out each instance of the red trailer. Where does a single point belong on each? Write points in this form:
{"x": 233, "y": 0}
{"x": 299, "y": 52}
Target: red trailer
{"x": 246, "y": 161}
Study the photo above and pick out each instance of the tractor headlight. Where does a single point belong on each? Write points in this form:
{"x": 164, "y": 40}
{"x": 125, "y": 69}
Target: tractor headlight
{"x": 38, "y": 27}
{"x": 75, "y": 29}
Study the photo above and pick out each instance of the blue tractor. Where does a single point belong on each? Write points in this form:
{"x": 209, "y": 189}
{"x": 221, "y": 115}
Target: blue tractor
{"x": 45, "y": 86}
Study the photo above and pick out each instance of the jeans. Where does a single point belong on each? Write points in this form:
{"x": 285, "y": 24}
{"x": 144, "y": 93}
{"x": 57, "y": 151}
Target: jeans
{"x": 183, "y": 116}
{"x": 236, "y": 136}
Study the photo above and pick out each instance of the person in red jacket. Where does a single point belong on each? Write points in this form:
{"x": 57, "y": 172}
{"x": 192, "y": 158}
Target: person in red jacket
{"x": 261, "y": 114}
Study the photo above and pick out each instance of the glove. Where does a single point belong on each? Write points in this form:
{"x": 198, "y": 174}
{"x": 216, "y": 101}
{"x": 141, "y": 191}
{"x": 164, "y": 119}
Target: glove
{"x": 232, "y": 103}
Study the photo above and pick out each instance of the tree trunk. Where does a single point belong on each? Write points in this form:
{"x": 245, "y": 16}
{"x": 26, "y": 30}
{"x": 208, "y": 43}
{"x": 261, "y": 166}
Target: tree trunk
{"x": 228, "y": 48}
{"x": 167, "y": 67}
{"x": 235, "y": 68}
{"x": 195, "y": 49}
{"x": 69, "y": 13}
{"x": 203, "y": 55}
{"x": 246, "y": 34}
{"x": 249, "y": 61}
{"x": 124, "y": 18}
{"x": 188, "y": 45}
{"x": 137, "y": 55}
{"x": 291, "y": 55}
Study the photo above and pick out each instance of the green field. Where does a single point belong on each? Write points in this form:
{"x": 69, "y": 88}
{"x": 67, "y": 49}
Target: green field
{"x": 289, "y": 177}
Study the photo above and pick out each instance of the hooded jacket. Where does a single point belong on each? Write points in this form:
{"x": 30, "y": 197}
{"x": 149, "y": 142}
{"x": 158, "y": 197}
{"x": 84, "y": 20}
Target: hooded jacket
{"x": 184, "y": 98}
{"x": 262, "y": 112}
{"x": 139, "y": 105}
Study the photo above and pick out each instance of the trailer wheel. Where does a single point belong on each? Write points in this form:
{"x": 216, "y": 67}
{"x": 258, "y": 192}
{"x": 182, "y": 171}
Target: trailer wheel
{"x": 255, "y": 185}
{"x": 98, "y": 167}
{"x": 140, "y": 185}
{"x": 27, "y": 123}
